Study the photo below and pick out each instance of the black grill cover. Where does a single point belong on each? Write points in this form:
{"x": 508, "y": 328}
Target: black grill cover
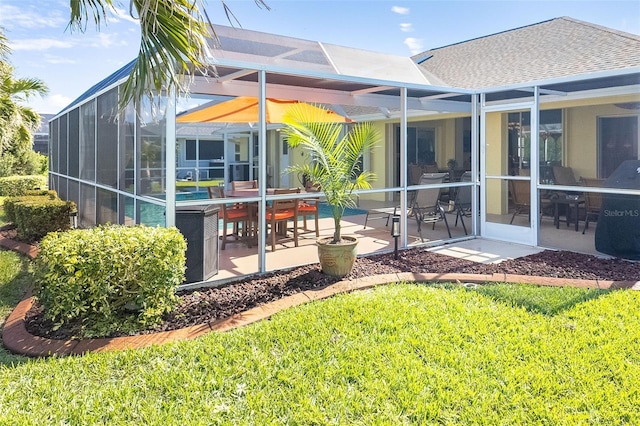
{"x": 618, "y": 230}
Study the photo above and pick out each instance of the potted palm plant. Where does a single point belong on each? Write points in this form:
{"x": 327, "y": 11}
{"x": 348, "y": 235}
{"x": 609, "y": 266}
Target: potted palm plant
{"x": 335, "y": 167}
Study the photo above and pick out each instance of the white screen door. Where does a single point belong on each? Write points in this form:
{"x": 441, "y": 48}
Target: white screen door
{"x": 508, "y": 167}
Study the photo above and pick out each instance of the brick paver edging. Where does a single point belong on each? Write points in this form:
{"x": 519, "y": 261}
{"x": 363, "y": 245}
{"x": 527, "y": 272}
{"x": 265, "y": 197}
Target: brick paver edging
{"x": 17, "y": 246}
{"x": 17, "y": 339}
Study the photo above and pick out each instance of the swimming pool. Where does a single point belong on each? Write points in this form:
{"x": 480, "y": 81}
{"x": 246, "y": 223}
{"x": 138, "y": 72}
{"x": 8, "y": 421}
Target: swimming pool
{"x": 324, "y": 210}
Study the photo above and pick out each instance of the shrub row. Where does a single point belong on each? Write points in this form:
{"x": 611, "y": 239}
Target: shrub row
{"x": 32, "y": 195}
{"x": 38, "y": 213}
{"x": 36, "y": 218}
{"x": 12, "y": 186}
{"x": 110, "y": 279}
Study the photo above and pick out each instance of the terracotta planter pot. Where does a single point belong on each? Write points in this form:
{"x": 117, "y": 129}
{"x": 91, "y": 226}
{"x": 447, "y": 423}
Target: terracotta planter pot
{"x": 337, "y": 259}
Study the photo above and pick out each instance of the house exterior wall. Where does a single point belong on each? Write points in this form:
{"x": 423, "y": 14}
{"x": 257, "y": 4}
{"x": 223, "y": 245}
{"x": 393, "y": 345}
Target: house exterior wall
{"x": 381, "y": 164}
{"x": 582, "y": 129}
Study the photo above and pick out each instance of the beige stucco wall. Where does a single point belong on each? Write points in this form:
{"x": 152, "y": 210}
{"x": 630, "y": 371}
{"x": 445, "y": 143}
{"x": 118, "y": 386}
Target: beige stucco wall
{"x": 581, "y": 136}
{"x": 378, "y": 162}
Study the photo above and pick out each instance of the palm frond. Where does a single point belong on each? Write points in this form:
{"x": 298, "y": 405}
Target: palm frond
{"x": 17, "y": 122}
{"x": 174, "y": 36}
{"x": 82, "y": 10}
{"x": 5, "y": 50}
{"x": 336, "y": 153}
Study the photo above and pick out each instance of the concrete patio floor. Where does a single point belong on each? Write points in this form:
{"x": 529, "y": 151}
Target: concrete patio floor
{"x": 238, "y": 259}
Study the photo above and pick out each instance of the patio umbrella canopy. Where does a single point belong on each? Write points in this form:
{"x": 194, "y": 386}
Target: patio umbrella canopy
{"x": 244, "y": 109}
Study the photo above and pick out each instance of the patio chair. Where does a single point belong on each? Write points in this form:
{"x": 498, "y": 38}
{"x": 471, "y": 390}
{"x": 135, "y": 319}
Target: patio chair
{"x": 244, "y": 184}
{"x": 521, "y": 196}
{"x": 564, "y": 176}
{"x": 426, "y": 206}
{"x": 380, "y": 213}
{"x": 309, "y": 207}
{"x": 415, "y": 172}
{"x": 462, "y": 201}
{"x": 278, "y": 216}
{"x": 592, "y": 200}
{"x": 431, "y": 168}
{"x": 238, "y": 214}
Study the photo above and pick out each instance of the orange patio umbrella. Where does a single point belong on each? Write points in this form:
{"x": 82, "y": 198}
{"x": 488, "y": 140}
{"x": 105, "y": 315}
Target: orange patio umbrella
{"x": 244, "y": 109}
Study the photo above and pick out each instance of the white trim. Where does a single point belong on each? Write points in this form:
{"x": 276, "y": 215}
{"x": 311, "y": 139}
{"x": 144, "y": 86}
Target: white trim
{"x": 403, "y": 166}
{"x": 475, "y": 160}
{"x": 272, "y": 69}
{"x": 262, "y": 168}
{"x": 329, "y": 96}
{"x": 170, "y": 160}
{"x": 534, "y": 167}
{"x": 560, "y": 80}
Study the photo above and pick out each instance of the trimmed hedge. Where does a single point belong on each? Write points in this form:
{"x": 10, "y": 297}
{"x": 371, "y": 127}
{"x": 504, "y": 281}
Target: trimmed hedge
{"x": 12, "y": 186}
{"x": 35, "y": 195}
{"x": 51, "y": 193}
{"x": 110, "y": 279}
{"x": 38, "y": 216}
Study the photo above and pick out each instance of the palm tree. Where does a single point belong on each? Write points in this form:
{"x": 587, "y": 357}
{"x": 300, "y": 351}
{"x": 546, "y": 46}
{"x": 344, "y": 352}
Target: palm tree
{"x": 17, "y": 122}
{"x": 173, "y": 42}
{"x": 337, "y": 156}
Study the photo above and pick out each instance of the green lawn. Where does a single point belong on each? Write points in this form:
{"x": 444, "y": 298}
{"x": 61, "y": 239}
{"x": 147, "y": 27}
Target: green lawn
{"x": 14, "y": 280}
{"x": 397, "y": 354}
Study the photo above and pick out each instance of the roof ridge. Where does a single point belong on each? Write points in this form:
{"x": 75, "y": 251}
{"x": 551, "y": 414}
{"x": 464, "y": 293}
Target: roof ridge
{"x": 484, "y": 36}
{"x": 602, "y": 28}
{"x": 565, "y": 18}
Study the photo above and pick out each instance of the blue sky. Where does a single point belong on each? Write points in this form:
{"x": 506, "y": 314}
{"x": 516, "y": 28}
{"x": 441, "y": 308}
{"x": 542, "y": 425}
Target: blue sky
{"x": 69, "y": 63}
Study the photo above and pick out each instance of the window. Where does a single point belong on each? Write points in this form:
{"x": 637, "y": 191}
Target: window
{"x": 617, "y": 142}
{"x": 550, "y": 139}
{"x": 421, "y": 147}
{"x": 207, "y": 150}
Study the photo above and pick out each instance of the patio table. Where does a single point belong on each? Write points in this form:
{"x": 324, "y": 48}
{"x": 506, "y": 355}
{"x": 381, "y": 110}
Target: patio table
{"x": 253, "y": 211}
{"x": 573, "y": 206}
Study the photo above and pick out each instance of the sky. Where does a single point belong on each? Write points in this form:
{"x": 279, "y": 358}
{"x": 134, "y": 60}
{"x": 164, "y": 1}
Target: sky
{"x": 71, "y": 62}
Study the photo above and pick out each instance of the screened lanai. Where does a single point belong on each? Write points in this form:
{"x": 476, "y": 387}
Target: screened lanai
{"x": 148, "y": 166}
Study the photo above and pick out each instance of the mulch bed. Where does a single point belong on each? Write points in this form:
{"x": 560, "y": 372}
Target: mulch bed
{"x": 207, "y": 304}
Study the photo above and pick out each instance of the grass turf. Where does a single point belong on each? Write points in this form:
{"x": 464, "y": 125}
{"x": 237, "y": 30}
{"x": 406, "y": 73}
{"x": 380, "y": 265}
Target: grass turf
{"x": 14, "y": 280}
{"x": 397, "y": 354}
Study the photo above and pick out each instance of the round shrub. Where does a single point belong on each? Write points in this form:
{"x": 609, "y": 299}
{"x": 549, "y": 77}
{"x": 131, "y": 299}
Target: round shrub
{"x": 109, "y": 280}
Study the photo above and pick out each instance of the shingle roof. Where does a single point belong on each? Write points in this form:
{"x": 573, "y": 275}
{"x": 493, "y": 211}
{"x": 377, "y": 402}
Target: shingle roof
{"x": 556, "y": 48}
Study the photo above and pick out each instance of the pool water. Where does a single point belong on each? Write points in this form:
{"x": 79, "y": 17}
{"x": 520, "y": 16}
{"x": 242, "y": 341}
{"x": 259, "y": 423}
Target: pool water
{"x": 185, "y": 196}
{"x": 324, "y": 210}
{"x": 153, "y": 215}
